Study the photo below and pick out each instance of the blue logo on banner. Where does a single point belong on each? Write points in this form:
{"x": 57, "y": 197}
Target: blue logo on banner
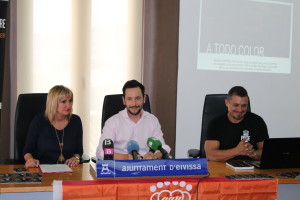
{"x": 162, "y": 167}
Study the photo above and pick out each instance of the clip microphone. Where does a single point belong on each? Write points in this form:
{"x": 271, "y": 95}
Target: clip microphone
{"x": 133, "y": 149}
{"x": 108, "y": 149}
{"x": 155, "y": 144}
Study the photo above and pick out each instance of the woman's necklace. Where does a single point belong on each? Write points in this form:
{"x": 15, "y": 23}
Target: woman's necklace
{"x": 61, "y": 158}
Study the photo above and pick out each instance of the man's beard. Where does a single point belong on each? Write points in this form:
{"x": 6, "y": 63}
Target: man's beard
{"x": 239, "y": 117}
{"x": 138, "y": 112}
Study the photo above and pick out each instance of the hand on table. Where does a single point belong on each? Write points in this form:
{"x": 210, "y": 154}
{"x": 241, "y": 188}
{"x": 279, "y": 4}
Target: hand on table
{"x": 72, "y": 162}
{"x": 31, "y": 162}
{"x": 150, "y": 155}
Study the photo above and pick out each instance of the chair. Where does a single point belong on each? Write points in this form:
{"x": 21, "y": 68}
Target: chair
{"x": 214, "y": 106}
{"x": 28, "y": 105}
{"x": 112, "y": 104}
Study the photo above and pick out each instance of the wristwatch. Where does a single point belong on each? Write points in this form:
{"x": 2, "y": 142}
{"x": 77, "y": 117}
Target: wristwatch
{"x": 78, "y": 159}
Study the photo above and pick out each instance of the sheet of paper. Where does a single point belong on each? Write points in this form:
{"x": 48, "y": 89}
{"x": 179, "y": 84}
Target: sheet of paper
{"x": 55, "y": 168}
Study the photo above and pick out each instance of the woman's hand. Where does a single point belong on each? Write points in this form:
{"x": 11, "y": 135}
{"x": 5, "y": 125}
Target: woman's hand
{"x": 31, "y": 162}
{"x": 72, "y": 162}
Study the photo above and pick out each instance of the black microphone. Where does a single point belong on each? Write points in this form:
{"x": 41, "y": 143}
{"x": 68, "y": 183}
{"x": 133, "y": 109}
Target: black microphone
{"x": 133, "y": 149}
{"x": 108, "y": 148}
{"x": 151, "y": 150}
{"x": 155, "y": 144}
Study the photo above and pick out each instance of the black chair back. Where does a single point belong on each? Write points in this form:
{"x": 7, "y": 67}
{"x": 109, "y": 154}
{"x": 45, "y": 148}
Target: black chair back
{"x": 112, "y": 104}
{"x": 28, "y": 106}
{"x": 214, "y": 106}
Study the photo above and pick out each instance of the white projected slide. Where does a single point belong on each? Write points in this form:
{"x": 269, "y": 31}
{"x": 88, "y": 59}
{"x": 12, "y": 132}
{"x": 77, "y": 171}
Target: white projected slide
{"x": 245, "y": 36}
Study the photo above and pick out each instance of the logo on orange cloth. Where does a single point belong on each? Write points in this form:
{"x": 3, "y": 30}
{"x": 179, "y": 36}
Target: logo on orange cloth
{"x": 180, "y": 190}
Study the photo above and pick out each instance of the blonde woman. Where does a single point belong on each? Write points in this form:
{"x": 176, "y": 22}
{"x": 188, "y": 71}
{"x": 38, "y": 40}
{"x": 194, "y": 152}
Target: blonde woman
{"x": 56, "y": 135}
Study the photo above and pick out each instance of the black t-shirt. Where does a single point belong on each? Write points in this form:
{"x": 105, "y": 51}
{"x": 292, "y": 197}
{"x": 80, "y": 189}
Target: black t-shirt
{"x": 42, "y": 140}
{"x": 230, "y": 134}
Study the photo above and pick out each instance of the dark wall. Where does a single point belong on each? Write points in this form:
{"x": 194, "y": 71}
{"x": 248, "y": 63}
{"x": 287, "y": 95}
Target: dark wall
{"x": 160, "y": 62}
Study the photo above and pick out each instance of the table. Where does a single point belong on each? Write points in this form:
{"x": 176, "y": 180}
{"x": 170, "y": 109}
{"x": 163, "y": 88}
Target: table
{"x": 287, "y": 186}
{"x": 38, "y": 191}
{"x": 218, "y": 169}
{"x": 81, "y": 172}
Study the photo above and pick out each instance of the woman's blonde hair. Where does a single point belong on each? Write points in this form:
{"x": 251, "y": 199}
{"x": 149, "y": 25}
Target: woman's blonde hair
{"x": 53, "y": 98}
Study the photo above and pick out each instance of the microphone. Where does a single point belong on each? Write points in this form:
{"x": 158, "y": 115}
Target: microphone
{"x": 155, "y": 144}
{"x": 133, "y": 149}
{"x": 108, "y": 148}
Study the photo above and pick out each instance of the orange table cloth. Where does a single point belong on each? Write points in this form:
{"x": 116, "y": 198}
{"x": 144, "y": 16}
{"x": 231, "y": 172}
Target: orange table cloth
{"x": 211, "y": 188}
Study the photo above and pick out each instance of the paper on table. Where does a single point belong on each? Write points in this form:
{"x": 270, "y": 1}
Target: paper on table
{"x": 55, "y": 168}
